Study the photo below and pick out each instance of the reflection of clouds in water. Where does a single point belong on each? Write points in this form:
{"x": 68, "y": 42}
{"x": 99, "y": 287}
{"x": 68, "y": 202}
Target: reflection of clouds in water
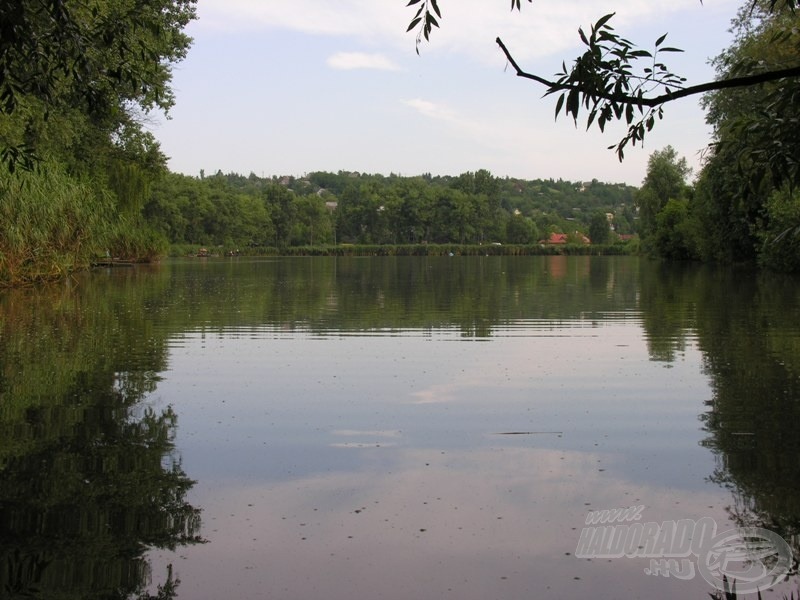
{"x": 438, "y": 393}
{"x": 573, "y": 366}
{"x": 365, "y": 439}
{"x": 357, "y": 432}
{"x": 500, "y": 523}
{"x": 540, "y": 362}
{"x": 363, "y": 444}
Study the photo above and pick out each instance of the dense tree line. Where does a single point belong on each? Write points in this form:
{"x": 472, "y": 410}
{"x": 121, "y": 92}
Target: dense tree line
{"x": 332, "y": 208}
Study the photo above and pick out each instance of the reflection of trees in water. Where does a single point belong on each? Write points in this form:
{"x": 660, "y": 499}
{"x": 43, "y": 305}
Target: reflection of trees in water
{"x": 89, "y": 477}
{"x": 326, "y": 294}
{"x": 755, "y": 410}
{"x": 747, "y": 329}
{"x": 668, "y": 307}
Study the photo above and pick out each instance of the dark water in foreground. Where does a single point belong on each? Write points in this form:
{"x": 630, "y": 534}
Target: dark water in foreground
{"x": 387, "y": 428}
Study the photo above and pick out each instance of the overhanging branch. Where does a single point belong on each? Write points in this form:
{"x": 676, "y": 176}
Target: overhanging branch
{"x": 734, "y": 82}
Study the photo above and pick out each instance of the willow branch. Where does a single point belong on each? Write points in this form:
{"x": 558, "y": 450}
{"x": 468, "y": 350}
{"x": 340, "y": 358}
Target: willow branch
{"x": 733, "y": 82}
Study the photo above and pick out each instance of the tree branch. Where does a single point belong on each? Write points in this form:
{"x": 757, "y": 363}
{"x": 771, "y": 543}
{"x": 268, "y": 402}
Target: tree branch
{"x": 723, "y": 84}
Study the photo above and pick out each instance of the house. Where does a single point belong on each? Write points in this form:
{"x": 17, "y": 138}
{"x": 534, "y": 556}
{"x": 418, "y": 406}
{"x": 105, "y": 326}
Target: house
{"x": 561, "y": 238}
{"x": 556, "y": 238}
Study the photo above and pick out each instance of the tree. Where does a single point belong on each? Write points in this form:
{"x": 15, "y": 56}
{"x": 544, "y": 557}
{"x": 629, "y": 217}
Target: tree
{"x": 598, "y": 228}
{"x": 360, "y": 214}
{"x": 607, "y": 82}
{"x": 673, "y": 238}
{"x": 77, "y": 79}
{"x": 744, "y": 193}
{"x": 454, "y": 217}
{"x": 283, "y": 211}
{"x": 313, "y": 223}
{"x": 105, "y": 59}
{"x": 780, "y": 241}
{"x": 758, "y": 125}
{"x": 521, "y": 230}
{"x": 665, "y": 180}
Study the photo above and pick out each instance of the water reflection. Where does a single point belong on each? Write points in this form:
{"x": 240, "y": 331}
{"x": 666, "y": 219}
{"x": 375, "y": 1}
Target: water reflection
{"x": 89, "y": 479}
{"x": 385, "y": 294}
{"x": 496, "y": 522}
{"x": 342, "y": 419}
{"x": 748, "y": 328}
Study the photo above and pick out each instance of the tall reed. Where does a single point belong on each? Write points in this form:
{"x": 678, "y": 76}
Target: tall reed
{"x": 50, "y": 224}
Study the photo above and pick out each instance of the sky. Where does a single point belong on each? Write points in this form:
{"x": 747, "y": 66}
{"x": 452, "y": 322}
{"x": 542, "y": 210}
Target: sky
{"x": 280, "y": 87}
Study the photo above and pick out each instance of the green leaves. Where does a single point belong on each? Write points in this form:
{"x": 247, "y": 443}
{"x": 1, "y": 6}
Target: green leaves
{"x": 608, "y": 84}
{"x": 757, "y": 127}
{"x": 105, "y": 60}
{"x": 424, "y": 19}
{"x": 22, "y": 156}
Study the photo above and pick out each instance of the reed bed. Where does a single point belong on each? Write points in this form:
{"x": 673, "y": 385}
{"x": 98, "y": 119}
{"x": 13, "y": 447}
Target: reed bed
{"x": 52, "y": 224}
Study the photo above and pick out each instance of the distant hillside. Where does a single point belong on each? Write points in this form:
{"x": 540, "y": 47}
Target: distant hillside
{"x": 351, "y": 207}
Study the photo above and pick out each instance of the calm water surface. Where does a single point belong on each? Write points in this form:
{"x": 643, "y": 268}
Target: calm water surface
{"x": 394, "y": 428}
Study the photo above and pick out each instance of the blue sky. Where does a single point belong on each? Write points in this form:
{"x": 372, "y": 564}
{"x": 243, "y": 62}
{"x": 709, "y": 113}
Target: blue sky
{"x": 280, "y": 87}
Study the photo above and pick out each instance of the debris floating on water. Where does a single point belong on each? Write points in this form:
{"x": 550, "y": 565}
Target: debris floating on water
{"x": 528, "y": 433}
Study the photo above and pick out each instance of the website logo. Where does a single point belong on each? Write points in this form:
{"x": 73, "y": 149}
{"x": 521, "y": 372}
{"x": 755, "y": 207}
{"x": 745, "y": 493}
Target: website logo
{"x": 755, "y": 558}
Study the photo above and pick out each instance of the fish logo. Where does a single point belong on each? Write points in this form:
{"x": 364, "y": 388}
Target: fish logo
{"x": 755, "y": 558}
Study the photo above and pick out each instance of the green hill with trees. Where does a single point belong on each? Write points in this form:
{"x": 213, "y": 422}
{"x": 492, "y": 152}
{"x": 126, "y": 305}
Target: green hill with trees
{"x": 320, "y": 208}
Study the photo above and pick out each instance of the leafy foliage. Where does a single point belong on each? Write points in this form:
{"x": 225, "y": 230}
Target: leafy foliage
{"x": 599, "y": 231}
{"x": 757, "y": 126}
{"x": 605, "y": 82}
{"x": 780, "y": 240}
{"x": 746, "y": 203}
{"x": 424, "y": 18}
{"x": 673, "y": 236}
{"x": 76, "y": 81}
{"x": 665, "y": 180}
{"x": 104, "y": 57}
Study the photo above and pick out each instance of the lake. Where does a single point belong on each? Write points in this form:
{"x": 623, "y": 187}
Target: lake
{"x": 399, "y": 428}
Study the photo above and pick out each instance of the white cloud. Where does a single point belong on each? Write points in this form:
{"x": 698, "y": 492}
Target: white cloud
{"x": 469, "y": 27}
{"x": 361, "y": 60}
{"x": 488, "y": 130}
{"x": 362, "y": 18}
{"x": 432, "y": 110}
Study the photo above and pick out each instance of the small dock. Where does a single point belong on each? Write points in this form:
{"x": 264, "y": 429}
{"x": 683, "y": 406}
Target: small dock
{"x": 112, "y": 262}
